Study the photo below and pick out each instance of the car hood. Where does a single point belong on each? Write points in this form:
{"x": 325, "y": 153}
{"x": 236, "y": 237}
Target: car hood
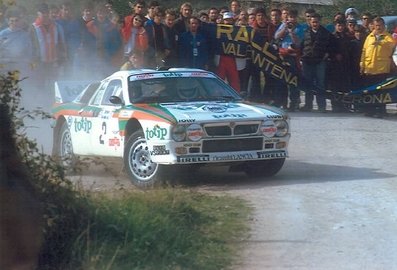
{"x": 220, "y": 111}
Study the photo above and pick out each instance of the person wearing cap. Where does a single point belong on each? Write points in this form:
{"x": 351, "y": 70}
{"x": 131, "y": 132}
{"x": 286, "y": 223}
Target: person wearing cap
{"x": 226, "y": 65}
{"x": 376, "y": 61}
{"x": 350, "y": 23}
{"x": 16, "y": 48}
{"x": 351, "y": 13}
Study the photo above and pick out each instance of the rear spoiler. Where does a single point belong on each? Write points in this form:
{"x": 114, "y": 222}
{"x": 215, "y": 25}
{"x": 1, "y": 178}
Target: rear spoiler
{"x": 67, "y": 91}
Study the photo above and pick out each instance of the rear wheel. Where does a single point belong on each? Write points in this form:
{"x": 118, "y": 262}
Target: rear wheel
{"x": 264, "y": 168}
{"x": 65, "y": 148}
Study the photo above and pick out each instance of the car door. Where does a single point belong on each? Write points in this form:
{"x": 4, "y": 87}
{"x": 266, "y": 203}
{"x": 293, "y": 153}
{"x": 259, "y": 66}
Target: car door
{"x": 81, "y": 125}
{"x": 105, "y": 138}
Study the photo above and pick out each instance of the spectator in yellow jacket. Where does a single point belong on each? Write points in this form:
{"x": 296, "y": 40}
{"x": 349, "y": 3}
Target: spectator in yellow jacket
{"x": 376, "y": 61}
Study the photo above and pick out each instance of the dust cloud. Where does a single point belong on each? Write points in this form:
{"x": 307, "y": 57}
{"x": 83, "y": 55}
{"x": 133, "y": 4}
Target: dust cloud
{"x": 37, "y": 88}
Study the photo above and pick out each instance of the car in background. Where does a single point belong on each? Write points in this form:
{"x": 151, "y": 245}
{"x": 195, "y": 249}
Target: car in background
{"x": 163, "y": 123}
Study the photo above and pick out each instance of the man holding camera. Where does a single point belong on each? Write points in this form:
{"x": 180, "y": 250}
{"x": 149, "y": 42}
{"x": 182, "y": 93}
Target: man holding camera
{"x": 290, "y": 34}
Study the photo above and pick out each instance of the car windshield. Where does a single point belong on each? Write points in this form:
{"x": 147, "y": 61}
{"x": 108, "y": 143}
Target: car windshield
{"x": 174, "y": 89}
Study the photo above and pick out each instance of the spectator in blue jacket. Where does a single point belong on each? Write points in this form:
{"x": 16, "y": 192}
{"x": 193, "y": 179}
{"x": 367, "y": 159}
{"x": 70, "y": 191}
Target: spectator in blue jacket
{"x": 193, "y": 47}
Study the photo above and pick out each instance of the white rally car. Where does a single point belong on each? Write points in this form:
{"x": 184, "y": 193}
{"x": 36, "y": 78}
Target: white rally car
{"x": 160, "y": 122}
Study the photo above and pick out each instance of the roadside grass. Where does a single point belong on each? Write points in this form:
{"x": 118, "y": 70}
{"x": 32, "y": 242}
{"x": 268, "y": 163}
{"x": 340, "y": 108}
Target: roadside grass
{"x": 160, "y": 229}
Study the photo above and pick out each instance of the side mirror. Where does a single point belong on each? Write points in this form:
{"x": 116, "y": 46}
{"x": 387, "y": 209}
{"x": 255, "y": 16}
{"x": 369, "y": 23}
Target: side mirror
{"x": 115, "y": 100}
{"x": 244, "y": 94}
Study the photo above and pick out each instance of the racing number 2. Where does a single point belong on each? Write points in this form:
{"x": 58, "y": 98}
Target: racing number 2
{"x": 101, "y": 141}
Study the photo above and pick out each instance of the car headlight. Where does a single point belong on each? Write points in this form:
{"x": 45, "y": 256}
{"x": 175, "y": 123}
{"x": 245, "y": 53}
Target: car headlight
{"x": 282, "y": 128}
{"x": 277, "y": 128}
{"x": 194, "y": 132}
{"x": 178, "y": 133}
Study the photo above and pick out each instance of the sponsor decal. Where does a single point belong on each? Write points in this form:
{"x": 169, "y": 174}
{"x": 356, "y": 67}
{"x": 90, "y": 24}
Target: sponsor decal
{"x": 215, "y": 108}
{"x": 144, "y": 76}
{"x": 185, "y": 107}
{"x": 229, "y": 115}
{"x": 105, "y": 114}
{"x": 186, "y": 120}
{"x": 274, "y": 116}
{"x": 200, "y": 74}
{"x": 194, "y": 132}
{"x": 69, "y": 90}
{"x": 156, "y": 132}
{"x": 383, "y": 98}
{"x": 114, "y": 142}
{"x": 233, "y": 157}
{"x": 192, "y": 145}
{"x": 159, "y": 150}
{"x": 271, "y": 154}
{"x": 172, "y": 74}
{"x": 268, "y": 128}
{"x": 189, "y": 159}
{"x": 125, "y": 114}
{"x": 82, "y": 125}
{"x": 272, "y": 140}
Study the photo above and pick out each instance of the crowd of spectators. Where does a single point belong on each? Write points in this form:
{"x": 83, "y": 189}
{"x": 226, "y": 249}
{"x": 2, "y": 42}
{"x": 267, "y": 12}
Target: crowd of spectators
{"x": 94, "y": 41}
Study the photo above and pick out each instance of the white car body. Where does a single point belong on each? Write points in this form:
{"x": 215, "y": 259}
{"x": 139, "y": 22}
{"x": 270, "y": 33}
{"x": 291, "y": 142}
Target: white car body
{"x": 202, "y": 130}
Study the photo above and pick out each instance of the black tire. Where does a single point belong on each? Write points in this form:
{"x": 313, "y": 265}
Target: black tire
{"x": 265, "y": 168}
{"x": 143, "y": 172}
{"x": 64, "y": 150}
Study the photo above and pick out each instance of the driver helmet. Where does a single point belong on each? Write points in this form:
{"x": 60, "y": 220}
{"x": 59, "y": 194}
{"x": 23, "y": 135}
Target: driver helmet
{"x": 187, "y": 88}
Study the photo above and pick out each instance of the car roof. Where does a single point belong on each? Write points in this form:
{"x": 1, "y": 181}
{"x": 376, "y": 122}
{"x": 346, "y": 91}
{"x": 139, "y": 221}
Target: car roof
{"x": 126, "y": 73}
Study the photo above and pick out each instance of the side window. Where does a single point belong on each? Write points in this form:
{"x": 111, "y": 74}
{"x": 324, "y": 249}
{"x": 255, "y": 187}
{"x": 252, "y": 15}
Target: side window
{"x": 113, "y": 89}
{"x": 99, "y": 95}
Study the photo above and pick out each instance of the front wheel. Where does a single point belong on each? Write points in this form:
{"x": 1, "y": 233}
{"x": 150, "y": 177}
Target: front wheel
{"x": 265, "y": 168}
{"x": 142, "y": 170}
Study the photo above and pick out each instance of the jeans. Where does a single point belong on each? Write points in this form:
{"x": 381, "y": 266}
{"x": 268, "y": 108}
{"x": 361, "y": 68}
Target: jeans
{"x": 314, "y": 75}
